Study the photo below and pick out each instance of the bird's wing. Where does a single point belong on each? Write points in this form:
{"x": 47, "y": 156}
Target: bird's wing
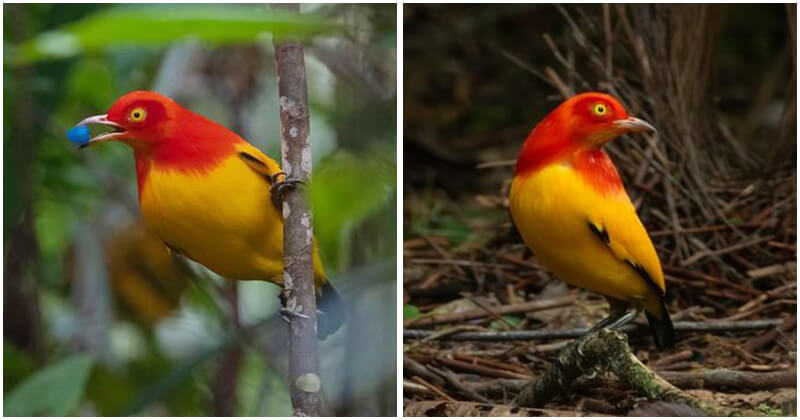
{"x": 620, "y": 229}
{"x": 258, "y": 161}
{"x": 268, "y": 169}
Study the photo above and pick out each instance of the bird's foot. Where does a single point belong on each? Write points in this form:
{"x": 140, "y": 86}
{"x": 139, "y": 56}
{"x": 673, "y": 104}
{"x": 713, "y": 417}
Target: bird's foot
{"x": 581, "y": 354}
{"x": 580, "y": 343}
{"x": 287, "y": 314}
{"x": 279, "y": 188}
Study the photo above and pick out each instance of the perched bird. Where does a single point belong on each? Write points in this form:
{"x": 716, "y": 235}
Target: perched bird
{"x": 571, "y": 209}
{"x": 206, "y": 193}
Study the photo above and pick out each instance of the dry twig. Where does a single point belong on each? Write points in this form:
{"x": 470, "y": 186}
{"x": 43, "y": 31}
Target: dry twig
{"x": 683, "y": 326}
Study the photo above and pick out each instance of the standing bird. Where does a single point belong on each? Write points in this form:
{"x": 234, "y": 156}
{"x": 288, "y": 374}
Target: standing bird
{"x": 207, "y": 193}
{"x": 570, "y": 206}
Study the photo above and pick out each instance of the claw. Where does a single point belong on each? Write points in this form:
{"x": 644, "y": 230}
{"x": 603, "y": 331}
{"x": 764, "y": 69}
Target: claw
{"x": 581, "y": 354}
{"x": 581, "y": 343}
{"x": 279, "y": 188}
{"x": 286, "y": 313}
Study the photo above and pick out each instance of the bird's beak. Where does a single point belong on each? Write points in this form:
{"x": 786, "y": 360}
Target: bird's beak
{"x": 634, "y": 125}
{"x": 103, "y": 119}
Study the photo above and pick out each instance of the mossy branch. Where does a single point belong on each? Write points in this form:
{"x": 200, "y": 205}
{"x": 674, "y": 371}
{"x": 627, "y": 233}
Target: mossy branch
{"x": 608, "y": 351}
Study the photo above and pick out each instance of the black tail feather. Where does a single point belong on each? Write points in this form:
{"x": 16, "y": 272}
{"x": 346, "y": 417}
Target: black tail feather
{"x": 332, "y": 313}
{"x": 663, "y": 333}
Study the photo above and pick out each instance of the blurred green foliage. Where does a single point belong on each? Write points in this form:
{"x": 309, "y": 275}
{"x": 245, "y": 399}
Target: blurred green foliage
{"x": 65, "y": 62}
{"x": 345, "y": 190}
{"x": 52, "y": 391}
{"x": 123, "y": 26}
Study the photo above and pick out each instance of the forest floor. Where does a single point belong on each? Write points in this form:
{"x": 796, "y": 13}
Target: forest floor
{"x": 718, "y": 199}
{"x": 467, "y": 271}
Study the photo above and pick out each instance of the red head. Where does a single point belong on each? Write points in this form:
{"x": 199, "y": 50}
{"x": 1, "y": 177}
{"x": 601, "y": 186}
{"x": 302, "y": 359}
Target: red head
{"x": 152, "y": 123}
{"x": 142, "y": 119}
{"x": 584, "y": 122}
{"x": 163, "y": 133}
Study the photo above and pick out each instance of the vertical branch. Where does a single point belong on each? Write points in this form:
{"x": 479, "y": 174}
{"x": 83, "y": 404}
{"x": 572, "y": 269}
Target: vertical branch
{"x": 298, "y": 274}
{"x": 22, "y": 322}
{"x": 90, "y": 292}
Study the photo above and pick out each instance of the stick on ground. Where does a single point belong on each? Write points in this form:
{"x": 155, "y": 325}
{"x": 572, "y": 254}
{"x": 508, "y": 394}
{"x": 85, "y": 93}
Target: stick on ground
{"x": 608, "y": 350}
{"x": 681, "y": 326}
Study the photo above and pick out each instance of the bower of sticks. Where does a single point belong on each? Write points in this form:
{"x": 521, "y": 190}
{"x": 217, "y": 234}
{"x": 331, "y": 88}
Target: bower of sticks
{"x": 716, "y": 188}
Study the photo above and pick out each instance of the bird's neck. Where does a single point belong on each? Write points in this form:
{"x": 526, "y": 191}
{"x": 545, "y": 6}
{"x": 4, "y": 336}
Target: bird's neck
{"x": 597, "y": 170}
{"x": 548, "y": 145}
{"x": 198, "y": 146}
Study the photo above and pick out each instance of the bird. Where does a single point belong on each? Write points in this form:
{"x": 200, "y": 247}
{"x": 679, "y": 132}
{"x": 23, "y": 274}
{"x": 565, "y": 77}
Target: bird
{"x": 570, "y": 206}
{"x": 207, "y": 193}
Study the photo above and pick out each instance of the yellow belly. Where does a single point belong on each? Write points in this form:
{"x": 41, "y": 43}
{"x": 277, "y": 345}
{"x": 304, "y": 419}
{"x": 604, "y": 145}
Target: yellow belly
{"x": 222, "y": 218}
{"x": 552, "y": 209}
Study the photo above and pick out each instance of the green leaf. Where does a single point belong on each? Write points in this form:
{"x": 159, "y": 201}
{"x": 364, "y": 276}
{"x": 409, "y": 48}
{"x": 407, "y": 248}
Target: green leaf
{"x": 18, "y": 364}
{"x": 455, "y": 229}
{"x": 55, "y": 390}
{"x": 344, "y": 191}
{"x": 509, "y": 320}
{"x": 410, "y": 312}
{"x": 160, "y": 25}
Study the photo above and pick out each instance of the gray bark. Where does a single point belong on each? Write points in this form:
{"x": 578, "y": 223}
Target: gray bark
{"x": 298, "y": 273}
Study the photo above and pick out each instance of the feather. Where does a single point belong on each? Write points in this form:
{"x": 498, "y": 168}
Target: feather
{"x": 571, "y": 209}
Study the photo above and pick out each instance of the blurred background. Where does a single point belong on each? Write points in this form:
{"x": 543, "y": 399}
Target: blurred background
{"x": 98, "y": 318}
{"x": 716, "y": 188}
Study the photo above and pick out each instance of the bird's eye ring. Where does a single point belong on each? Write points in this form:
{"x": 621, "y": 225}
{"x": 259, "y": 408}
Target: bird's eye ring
{"x": 137, "y": 115}
{"x": 599, "y": 109}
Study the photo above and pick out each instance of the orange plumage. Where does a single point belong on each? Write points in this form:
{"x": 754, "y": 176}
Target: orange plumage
{"x": 570, "y": 206}
{"x": 205, "y": 192}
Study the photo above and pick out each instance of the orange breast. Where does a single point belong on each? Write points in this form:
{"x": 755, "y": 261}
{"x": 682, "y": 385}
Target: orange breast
{"x": 221, "y": 218}
{"x": 552, "y": 208}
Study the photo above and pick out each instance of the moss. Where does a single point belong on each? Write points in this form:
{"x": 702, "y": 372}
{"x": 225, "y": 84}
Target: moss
{"x": 769, "y": 410}
{"x": 609, "y": 351}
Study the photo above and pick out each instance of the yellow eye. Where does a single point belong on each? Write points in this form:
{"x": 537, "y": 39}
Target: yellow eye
{"x": 599, "y": 109}
{"x": 138, "y": 115}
